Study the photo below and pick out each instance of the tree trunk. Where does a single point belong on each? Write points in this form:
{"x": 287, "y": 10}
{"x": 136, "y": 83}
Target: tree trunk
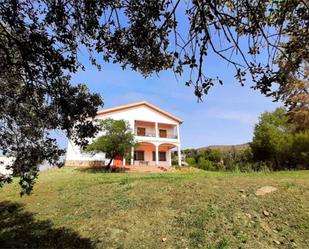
{"x": 277, "y": 163}
{"x": 108, "y": 166}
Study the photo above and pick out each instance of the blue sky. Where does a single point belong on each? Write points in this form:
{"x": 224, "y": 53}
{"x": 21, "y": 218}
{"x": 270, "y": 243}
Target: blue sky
{"x": 226, "y": 116}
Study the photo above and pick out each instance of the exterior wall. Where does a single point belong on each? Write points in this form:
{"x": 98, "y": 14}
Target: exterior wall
{"x": 74, "y": 153}
{"x": 4, "y": 162}
{"x": 140, "y": 113}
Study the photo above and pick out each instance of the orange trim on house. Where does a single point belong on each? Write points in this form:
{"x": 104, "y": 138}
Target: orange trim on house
{"x": 145, "y": 103}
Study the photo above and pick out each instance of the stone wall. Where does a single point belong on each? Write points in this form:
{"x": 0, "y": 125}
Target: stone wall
{"x": 76, "y": 163}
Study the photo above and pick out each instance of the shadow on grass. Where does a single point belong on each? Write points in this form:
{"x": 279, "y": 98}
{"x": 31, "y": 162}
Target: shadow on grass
{"x": 108, "y": 178}
{"x": 100, "y": 169}
{"x": 19, "y": 229}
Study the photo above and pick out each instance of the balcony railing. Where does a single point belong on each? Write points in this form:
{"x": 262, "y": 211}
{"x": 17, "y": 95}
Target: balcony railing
{"x": 171, "y": 136}
{"x": 146, "y": 135}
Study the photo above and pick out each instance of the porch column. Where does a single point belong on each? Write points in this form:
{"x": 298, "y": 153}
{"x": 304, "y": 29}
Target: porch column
{"x": 178, "y": 133}
{"x": 124, "y": 161}
{"x": 169, "y": 154}
{"x": 179, "y": 155}
{"x": 132, "y": 156}
{"x": 156, "y": 127}
{"x": 132, "y": 124}
{"x": 157, "y": 155}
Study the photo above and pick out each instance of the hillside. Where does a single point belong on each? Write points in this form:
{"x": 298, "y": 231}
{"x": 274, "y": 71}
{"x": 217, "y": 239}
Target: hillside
{"x": 225, "y": 147}
{"x": 70, "y": 208}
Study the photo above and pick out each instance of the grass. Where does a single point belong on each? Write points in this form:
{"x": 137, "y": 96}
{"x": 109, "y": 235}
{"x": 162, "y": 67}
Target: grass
{"x": 70, "y": 208}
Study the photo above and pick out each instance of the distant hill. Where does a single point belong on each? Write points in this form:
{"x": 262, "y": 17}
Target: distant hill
{"x": 225, "y": 147}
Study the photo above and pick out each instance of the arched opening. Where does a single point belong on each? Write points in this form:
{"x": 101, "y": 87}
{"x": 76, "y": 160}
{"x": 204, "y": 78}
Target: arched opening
{"x": 143, "y": 154}
{"x": 153, "y": 154}
{"x": 165, "y": 154}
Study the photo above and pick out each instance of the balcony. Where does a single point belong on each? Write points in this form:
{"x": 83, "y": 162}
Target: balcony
{"x": 172, "y": 136}
{"x": 155, "y": 130}
{"x": 144, "y": 134}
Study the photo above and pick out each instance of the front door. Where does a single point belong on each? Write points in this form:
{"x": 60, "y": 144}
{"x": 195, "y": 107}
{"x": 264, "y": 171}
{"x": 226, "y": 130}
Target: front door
{"x": 118, "y": 160}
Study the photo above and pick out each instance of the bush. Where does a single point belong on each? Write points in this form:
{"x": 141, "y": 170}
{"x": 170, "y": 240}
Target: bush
{"x": 300, "y": 151}
{"x": 205, "y": 164}
{"x": 190, "y": 161}
{"x": 262, "y": 166}
{"x": 249, "y": 166}
{"x": 244, "y": 167}
{"x": 231, "y": 166}
{"x": 219, "y": 166}
{"x": 213, "y": 155}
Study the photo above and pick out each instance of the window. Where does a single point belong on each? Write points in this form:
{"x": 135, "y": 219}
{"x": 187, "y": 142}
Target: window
{"x": 162, "y": 133}
{"x": 141, "y": 131}
{"x": 162, "y": 156}
{"x": 139, "y": 155}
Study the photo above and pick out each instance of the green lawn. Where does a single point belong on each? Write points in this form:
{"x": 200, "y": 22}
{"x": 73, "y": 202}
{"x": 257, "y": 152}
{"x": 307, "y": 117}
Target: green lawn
{"x": 71, "y": 208}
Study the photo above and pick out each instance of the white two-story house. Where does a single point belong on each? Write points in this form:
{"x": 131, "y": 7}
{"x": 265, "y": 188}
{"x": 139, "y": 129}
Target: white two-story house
{"x": 156, "y": 132}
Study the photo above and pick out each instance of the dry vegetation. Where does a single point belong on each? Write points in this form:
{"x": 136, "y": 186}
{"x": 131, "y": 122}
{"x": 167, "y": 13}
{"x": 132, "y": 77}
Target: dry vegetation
{"x": 225, "y": 148}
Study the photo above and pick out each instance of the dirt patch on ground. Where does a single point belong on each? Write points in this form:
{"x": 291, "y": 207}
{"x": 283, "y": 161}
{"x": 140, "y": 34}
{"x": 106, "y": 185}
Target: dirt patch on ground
{"x": 265, "y": 190}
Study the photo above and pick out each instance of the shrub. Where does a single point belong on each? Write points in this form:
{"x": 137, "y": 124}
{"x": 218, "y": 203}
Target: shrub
{"x": 231, "y": 166}
{"x": 300, "y": 151}
{"x": 214, "y": 155}
{"x": 244, "y": 167}
{"x": 219, "y": 166}
{"x": 190, "y": 161}
{"x": 262, "y": 166}
{"x": 205, "y": 164}
{"x": 249, "y": 166}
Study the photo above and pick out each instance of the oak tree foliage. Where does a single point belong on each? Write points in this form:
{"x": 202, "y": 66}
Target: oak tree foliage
{"x": 40, "y": 42}
{"x": 295, "y": 94}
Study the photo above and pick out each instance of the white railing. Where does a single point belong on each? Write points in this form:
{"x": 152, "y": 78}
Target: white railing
{"x": 146, "y": 135}
{"x": 171, "y": 136}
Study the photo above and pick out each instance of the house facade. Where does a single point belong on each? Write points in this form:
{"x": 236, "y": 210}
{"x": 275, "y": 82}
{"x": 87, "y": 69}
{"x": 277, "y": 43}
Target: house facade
{"x": 156, "y": 132}
{"x": 5, "y": 162}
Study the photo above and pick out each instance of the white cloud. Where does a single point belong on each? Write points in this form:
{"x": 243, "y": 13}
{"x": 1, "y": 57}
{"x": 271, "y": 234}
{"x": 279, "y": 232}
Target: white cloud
{"x": 243, "y": 117}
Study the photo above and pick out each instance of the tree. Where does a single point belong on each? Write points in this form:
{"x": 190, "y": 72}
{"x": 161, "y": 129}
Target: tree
{"x": 295, "y": 93}
{"x": 272, "y": 138}
{"x": 40, "y": 42}
{"x": 300, "y": 150}
{"x": 117, "y": 140}
{"x": 280, "y": 142}
{"x": 191, "y": 153}
{"x": 190, "y": 161}
{"x": 205, "y": 164}
{"x": 213, "y": 155}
